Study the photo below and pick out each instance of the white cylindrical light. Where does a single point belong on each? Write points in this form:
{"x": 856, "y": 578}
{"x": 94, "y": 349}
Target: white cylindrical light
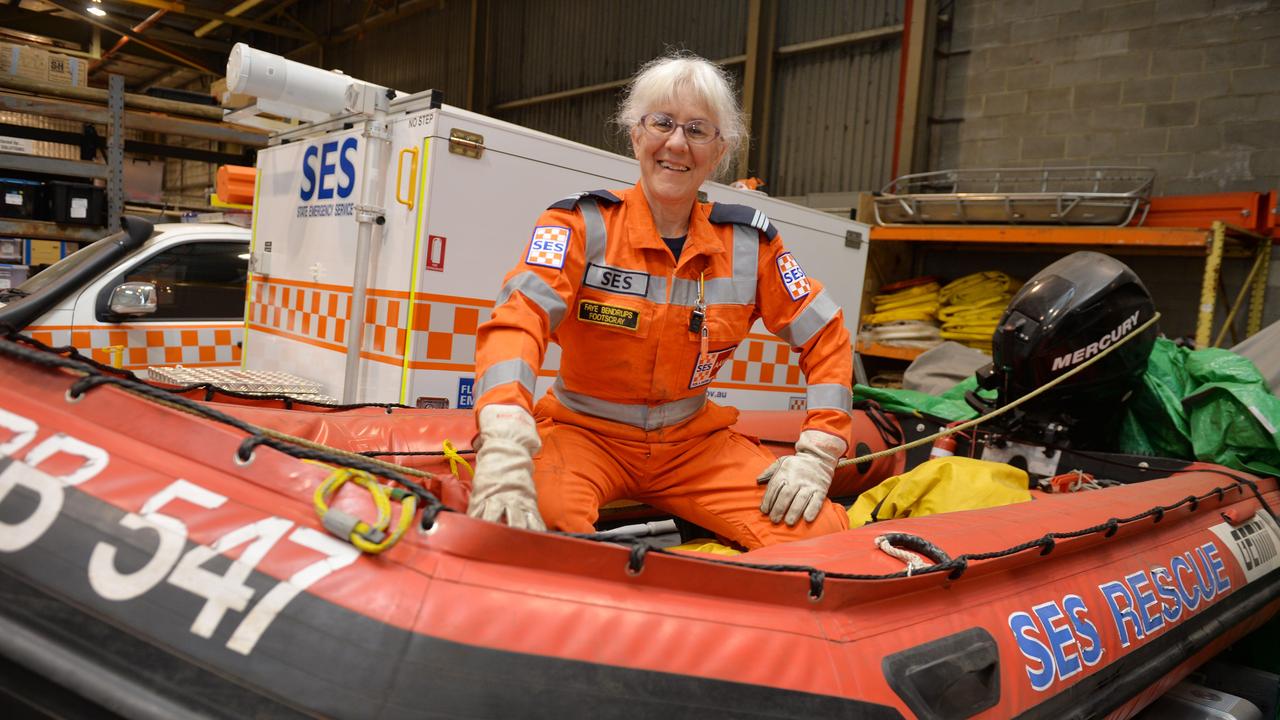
{"x": 264, "y": 75}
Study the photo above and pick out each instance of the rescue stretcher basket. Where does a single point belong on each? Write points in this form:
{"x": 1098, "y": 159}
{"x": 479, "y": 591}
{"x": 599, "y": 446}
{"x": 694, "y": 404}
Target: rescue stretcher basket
{"x": 1104, "y": 195}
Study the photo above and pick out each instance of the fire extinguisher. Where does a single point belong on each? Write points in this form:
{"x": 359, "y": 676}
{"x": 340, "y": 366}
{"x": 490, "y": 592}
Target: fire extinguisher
{"x": 944, "y": 446}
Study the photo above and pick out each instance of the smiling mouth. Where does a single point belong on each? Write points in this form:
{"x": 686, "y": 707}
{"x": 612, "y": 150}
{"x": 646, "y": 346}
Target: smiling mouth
{"x": 674, "y": 168}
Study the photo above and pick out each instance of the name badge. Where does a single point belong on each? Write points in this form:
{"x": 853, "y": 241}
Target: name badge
{"x": 614, "y": 280}
{"x": 608, "y": 315}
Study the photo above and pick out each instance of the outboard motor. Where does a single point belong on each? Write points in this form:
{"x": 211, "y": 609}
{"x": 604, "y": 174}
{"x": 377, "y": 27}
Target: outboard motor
{"x": 1069, "y": 312}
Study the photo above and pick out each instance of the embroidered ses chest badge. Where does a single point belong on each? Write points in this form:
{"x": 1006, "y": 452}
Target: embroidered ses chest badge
{"x": 548, "y": 247}
{"x": 793, "y": 277}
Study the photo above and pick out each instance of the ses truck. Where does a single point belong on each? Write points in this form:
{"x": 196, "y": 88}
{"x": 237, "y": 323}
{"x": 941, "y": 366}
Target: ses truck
{"x": 383, "y": 226}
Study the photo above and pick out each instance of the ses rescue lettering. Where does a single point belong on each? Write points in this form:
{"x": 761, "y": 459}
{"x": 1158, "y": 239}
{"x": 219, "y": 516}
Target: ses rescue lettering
{"x": 1097, "y": 346}
{"x": 1060, "y": 638}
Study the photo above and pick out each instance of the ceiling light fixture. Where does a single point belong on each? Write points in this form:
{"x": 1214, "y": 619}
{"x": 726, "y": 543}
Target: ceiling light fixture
{"x": 95, "y": 10}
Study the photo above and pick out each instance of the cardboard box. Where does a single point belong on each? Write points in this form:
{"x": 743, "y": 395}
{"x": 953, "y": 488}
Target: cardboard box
{"x": 67, "y": 70}
{"x": 24, "y": 61}
{"x": 35, "y": 63}
{"x": 228, "y": 99}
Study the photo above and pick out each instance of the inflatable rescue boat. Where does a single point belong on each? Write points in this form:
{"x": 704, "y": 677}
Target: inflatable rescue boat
{"x": 162, "y": 557}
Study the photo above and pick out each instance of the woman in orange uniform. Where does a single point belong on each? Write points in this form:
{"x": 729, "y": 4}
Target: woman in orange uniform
{"x": 648, "y": 292}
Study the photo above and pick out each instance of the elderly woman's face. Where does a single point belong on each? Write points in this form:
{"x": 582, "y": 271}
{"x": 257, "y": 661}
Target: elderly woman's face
{"x": 672, "y": 168}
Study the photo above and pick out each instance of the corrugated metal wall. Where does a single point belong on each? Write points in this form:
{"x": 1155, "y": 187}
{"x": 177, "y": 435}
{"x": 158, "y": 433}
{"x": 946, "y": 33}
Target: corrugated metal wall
{"x": 832, "y": 127}
{"x": 545, "y": 46}
{"x": 834, "y": 109}
{"x": 427, "y": 50}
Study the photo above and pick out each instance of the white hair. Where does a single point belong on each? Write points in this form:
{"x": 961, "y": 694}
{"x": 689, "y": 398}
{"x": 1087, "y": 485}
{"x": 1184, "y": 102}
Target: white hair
{"x": 660, "y": 80}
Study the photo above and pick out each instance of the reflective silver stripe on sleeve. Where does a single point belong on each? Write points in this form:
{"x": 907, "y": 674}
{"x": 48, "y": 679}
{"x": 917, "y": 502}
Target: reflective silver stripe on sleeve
{"x": 593, "y": 219}
{"x": 746, "y": 254}
{"x": 645, "y": 417}
{"x": 738, "y": 290}
{"x": 813, "y": 318}
{"x": 507, "y": 371}
{"x": 537, "y": 290}
{"x": 829, "y": 396}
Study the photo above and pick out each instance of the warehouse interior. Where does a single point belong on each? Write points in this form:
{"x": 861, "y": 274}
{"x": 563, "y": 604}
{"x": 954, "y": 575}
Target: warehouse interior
{"x": 939, "y": 166}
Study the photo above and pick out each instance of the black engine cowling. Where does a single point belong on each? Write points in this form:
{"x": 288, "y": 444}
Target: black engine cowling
{"x": 1068, "y": 313}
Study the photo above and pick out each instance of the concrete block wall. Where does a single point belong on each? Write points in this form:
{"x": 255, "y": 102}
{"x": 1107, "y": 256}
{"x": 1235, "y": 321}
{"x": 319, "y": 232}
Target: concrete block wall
{"x": 1189, "y": 87}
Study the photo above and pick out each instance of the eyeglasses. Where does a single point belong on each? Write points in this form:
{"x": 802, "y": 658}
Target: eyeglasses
{"x": 698, "y": 132}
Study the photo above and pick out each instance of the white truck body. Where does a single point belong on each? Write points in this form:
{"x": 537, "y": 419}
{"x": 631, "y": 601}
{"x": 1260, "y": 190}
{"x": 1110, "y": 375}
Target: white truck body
{"x": 455, "y": 223}
{"x": 198, "y": 270}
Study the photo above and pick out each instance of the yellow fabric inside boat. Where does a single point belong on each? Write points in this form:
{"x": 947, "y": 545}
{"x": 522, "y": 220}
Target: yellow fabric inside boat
{"x": 706, "y": 546}
{"x": 942, "y": 485}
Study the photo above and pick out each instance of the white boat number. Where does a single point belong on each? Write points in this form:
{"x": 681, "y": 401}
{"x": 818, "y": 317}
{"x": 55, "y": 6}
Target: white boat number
{"x": 221, "y": 593}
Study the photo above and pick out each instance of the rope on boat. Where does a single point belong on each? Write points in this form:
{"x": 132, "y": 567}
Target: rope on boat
{"x": 92, "y": 376}
{"x": 1006, "y": 408}
{"x": 912, "y": 550}
{"x": 953, "y": 567}
{"x": 367, "y": 537}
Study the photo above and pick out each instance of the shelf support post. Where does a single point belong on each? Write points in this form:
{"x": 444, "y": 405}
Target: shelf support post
{"x": 1212, "y": 266}
{"x": 115, "y": 152}
{"x": 1259, "y": 296}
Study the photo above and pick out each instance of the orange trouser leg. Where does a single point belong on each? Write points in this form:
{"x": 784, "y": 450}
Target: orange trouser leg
{"x": 711, "y": 481}
{"x": 575, "y": 473}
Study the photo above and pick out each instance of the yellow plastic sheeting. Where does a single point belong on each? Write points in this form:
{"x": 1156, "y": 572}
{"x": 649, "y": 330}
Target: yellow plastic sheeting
{"x": 705, "y": 546}
{"x": 942, "y": 485}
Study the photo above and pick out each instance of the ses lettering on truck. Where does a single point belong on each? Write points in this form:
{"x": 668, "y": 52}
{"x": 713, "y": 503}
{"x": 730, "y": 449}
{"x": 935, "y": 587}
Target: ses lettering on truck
{"x": 328, "y": 173}
{"x": 1060, "y": 638}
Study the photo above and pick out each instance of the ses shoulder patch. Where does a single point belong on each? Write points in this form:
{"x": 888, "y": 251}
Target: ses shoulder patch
{"x": 793, "y": 277}
{"x": 571, "y": 202}
{"x": 725, "y": 213}
{"x": 548, "y": 247}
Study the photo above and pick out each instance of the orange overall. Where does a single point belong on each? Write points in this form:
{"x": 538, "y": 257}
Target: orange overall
{"x": 628, "y": 415}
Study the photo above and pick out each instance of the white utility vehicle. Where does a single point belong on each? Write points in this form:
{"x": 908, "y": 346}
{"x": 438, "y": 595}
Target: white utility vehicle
{"x": 147, "y": 296}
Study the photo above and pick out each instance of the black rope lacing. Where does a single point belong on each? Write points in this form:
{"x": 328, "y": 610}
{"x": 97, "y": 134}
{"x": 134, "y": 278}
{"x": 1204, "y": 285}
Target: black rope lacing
{"x": 94, "y": 377}
{"x": 954, "y": 567}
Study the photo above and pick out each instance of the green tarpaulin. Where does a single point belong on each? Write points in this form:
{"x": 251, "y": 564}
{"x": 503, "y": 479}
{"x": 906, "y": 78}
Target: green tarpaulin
{"x": 1210, "y": 405}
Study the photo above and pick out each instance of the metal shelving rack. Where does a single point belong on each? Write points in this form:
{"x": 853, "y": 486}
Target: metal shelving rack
{"x": 1217, "y": 241}
{"x": 91, "y": 106}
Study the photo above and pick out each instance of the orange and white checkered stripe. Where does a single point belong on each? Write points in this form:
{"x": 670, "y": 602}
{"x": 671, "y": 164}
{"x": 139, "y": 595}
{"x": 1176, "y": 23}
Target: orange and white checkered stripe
{"x": 138, "y": 346}
{"x": 762, "y": 362}
{"x": 303, "y": 311}
{"x": 443, "y": 332}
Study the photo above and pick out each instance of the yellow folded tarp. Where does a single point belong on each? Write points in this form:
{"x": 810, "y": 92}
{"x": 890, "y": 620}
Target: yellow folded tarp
{"x": 942, "y": 485}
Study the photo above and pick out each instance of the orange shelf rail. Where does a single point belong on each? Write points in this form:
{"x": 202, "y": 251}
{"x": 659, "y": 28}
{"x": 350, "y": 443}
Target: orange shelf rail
{"x": 1045, "y": 235}
{"x": 888, "y": 351}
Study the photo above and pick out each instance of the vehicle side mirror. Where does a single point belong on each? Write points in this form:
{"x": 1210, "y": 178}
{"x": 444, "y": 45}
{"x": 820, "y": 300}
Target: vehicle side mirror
{"x": 133, "y": 298}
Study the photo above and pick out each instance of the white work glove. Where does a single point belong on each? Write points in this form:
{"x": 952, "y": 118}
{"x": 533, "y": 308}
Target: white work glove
{"x": 798, "y": 483}
{"x": 502, "y": 489}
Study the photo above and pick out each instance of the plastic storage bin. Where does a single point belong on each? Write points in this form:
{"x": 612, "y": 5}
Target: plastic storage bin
{"x": 12, "y": 276}
{"x": 78, "y": 203}
{"x": 19, "y": 198}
